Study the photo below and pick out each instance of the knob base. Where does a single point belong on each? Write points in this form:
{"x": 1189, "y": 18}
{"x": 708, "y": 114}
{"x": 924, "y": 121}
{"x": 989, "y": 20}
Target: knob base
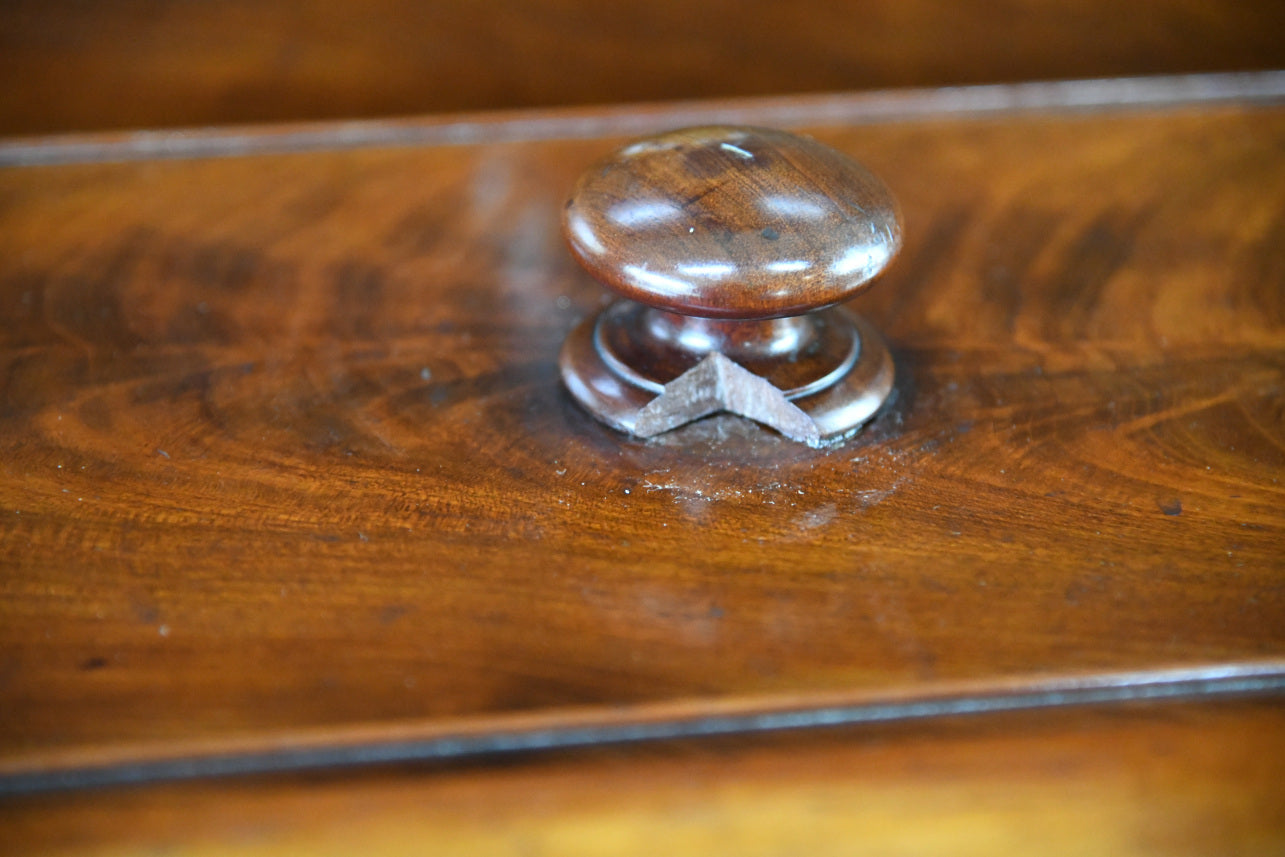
{"x": 838, "y": 368}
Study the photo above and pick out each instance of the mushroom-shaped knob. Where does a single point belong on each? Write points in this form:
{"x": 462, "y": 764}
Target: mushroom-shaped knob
{"x": 740, "y": 223}
{"x": 729, "y": 244}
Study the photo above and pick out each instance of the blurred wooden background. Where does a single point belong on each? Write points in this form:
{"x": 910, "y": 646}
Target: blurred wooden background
{"x": 71, "y": 65}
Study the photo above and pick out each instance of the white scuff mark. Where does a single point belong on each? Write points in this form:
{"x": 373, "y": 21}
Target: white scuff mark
{"x": 686, "y": 491}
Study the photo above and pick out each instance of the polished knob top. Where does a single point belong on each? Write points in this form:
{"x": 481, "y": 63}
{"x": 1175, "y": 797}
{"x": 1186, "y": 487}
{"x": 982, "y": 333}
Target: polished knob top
{"x": 732, "y": 222}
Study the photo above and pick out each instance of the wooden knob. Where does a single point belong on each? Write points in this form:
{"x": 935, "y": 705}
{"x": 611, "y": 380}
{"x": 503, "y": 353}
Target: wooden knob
{"x": 728, "y": 244}
{"x": 725, "y": 222}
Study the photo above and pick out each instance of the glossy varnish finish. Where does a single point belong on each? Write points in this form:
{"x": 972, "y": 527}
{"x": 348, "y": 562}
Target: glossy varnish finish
{"x": 282, "y": 443}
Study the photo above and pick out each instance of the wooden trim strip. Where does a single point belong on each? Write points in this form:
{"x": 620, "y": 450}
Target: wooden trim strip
{"x": 437, "y": 740}
{"x": 585, "y": 123}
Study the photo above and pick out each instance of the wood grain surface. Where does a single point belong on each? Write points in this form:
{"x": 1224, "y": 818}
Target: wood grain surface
{"x": 76, "y": 66}
{"x": 282, "y": 444}
{"x": 1164, "y": 779}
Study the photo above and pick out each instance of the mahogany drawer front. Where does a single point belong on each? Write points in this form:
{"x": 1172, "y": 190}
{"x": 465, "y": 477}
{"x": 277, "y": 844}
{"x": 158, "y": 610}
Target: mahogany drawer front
{"x": 283, "y": 449}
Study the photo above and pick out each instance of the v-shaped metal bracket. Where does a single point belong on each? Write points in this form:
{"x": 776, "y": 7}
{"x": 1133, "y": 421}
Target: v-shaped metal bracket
{"x": 718, "y": 384}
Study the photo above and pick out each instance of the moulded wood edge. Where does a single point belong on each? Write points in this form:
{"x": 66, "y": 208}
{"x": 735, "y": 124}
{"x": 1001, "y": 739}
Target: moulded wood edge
{"x": 814, "y": 110}
{"x": 443, "y": 739}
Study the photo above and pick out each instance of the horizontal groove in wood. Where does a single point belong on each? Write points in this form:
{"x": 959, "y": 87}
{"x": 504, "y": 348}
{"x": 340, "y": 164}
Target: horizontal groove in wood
{"x": 1184, "y": 780}
{"x": 1173, "y": 91}
{"x": 439, "y": 740}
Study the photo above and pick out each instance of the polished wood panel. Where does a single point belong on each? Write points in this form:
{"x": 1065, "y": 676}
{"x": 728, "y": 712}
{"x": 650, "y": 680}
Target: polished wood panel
{"x": 282, "y": 444}
{"x": 75, "y": 66}
{"x": 1163, "y": 779}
